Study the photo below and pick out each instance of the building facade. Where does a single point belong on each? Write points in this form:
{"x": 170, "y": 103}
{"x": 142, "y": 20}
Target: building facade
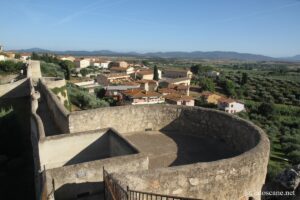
{"x": 230, "y": 105}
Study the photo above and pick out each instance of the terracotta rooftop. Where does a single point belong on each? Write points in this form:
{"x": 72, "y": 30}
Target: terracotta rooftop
{"x": 207, "y": 93}
{"x": 178, "y": 97}
{"x": 166, "y": 90}
{"x": 141, "y": 93}
{"x": 177, "y": 70}
{"x": 226, "y": 100}
{"x": 145, "y": 72}
{"x": 118, "y": 69}
{"x": 115, "y": 75}
{"x": 147, "y": 81}
{"x": 129, "y": 83}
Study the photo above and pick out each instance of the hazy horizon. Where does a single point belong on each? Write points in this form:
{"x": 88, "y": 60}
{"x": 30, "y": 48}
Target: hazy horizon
{"x": 258, "y": 27}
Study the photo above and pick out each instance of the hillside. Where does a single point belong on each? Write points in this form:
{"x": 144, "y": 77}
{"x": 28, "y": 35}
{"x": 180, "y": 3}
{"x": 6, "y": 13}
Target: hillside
{"x": 211, "y": 55}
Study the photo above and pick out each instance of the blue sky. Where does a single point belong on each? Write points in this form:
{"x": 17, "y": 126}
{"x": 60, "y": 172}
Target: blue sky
{"x": 269, "y": 27}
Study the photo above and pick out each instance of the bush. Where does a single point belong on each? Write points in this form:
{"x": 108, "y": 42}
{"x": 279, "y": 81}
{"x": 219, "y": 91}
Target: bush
{"x": 51, "y": 70}
{"x": 207, "y": 84}
{"x": 83, "y": 99}
{"x": 11, "y": 66}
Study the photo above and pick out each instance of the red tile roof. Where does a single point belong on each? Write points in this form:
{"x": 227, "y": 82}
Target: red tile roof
{"x": 178, "y": 97}
{"x": 141, "y": 93}
{"x": 145, "y": 72}
{"x": 147, "y": 81}
{"x": 226, "y": 100}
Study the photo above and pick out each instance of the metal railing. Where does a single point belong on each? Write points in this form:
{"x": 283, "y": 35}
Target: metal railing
{"x": 137, "y": 195}
{"x": 113, "y": 191}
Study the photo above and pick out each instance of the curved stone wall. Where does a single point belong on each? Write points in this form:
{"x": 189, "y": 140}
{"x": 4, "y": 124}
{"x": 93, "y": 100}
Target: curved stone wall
{"x": 238, "y": 177}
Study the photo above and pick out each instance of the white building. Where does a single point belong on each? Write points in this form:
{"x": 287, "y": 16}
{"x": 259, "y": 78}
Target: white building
{"x": 82, "y": 63}
{"x": 25, "y": 56}
{"x": 1, "y": 48}
{"x": 141, "y": 97}
{"x": 123, "y": 64}
{"x": 2, "y": 58}
{"x": 69, "y": 58}
{"x": 96, "y": 64}
{"x": 104, "y": 65}
{"x": 230, "y": 105}
{"x": 129, "y": 70}
{"x": 213, "y": 74}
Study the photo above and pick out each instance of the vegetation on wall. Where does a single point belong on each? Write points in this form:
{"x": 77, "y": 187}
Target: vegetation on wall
{"x": 52, "y": 66}
{"x": 51, "y": 70}
{"x": 11, "y": 67}
{"x": 82, "y": 99}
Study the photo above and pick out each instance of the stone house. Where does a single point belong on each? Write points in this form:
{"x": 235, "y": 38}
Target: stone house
{"x": 147, "y": 74}
{"x": 114, "y": 78}
{"x": 178, "y": 99}
{"x": 129, "y": 70}
{"x": 210, "y": 97}
{"x": 178, "y": 73}
{"x": 148, "y": 85}
{"x": 82, "y": 63}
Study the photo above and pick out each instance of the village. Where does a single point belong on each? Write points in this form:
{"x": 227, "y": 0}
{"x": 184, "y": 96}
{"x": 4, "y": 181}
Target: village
{"x": 136, "y": 84}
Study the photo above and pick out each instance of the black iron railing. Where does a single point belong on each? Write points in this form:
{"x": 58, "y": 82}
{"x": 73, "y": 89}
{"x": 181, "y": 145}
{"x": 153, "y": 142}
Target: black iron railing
{"x": 113, "y": 191}
{"x": 137, "y": 195}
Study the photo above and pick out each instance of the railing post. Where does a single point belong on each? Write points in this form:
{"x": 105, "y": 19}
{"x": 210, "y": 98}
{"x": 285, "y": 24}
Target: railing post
{"x": 104, "y": 183}
{"x": 127, "y": 192}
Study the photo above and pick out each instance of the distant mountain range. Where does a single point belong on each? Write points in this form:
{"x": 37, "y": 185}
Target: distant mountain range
{"x": 212, "y": 55}
{"x": 294, "y": 58}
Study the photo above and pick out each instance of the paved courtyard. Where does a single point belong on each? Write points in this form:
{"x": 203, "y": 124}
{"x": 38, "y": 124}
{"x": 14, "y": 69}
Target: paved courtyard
{"x": 173, "y": 149}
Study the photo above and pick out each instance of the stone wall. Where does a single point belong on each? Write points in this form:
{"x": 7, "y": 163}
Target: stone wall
{"x": 73, "y": 180}
{"x": 73, "y": 148}
{"x": 226, "y": 179}
{"x": 58, "y": 112}
{"x": 119, "y": 146}
{"x": 37, "y": 132}
{"x": 124, "y": 118}
{"x": 34, "y": 70}
{"x": 53, "y": 82}
{"x": 82, "y": 147}
{"x": 16, "y": 89}
{"x": 230, "y": 178}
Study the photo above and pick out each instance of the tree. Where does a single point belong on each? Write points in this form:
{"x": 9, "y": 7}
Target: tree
{"x": 207, "y": 84}
{"x": 11, "y": 66}
{"x": 113, "y": 64}
{"x": 17, "y": 56}
{"x": 229, "y": 88}
{"x": 100, "y": 92}
{"x": 145, "y": 63}
{"x": 244, "y": 78}
{"x": 199, "y": 68}
{"x": 67, "y": 66}
{"x": 155, "y": 73}
{"x": 195, "y": 69}
{"x": 82, "y": 99}
{"x": 266, "y": 109}
{"x": 84, "y": 72}
{"x": 35, "y": 56}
